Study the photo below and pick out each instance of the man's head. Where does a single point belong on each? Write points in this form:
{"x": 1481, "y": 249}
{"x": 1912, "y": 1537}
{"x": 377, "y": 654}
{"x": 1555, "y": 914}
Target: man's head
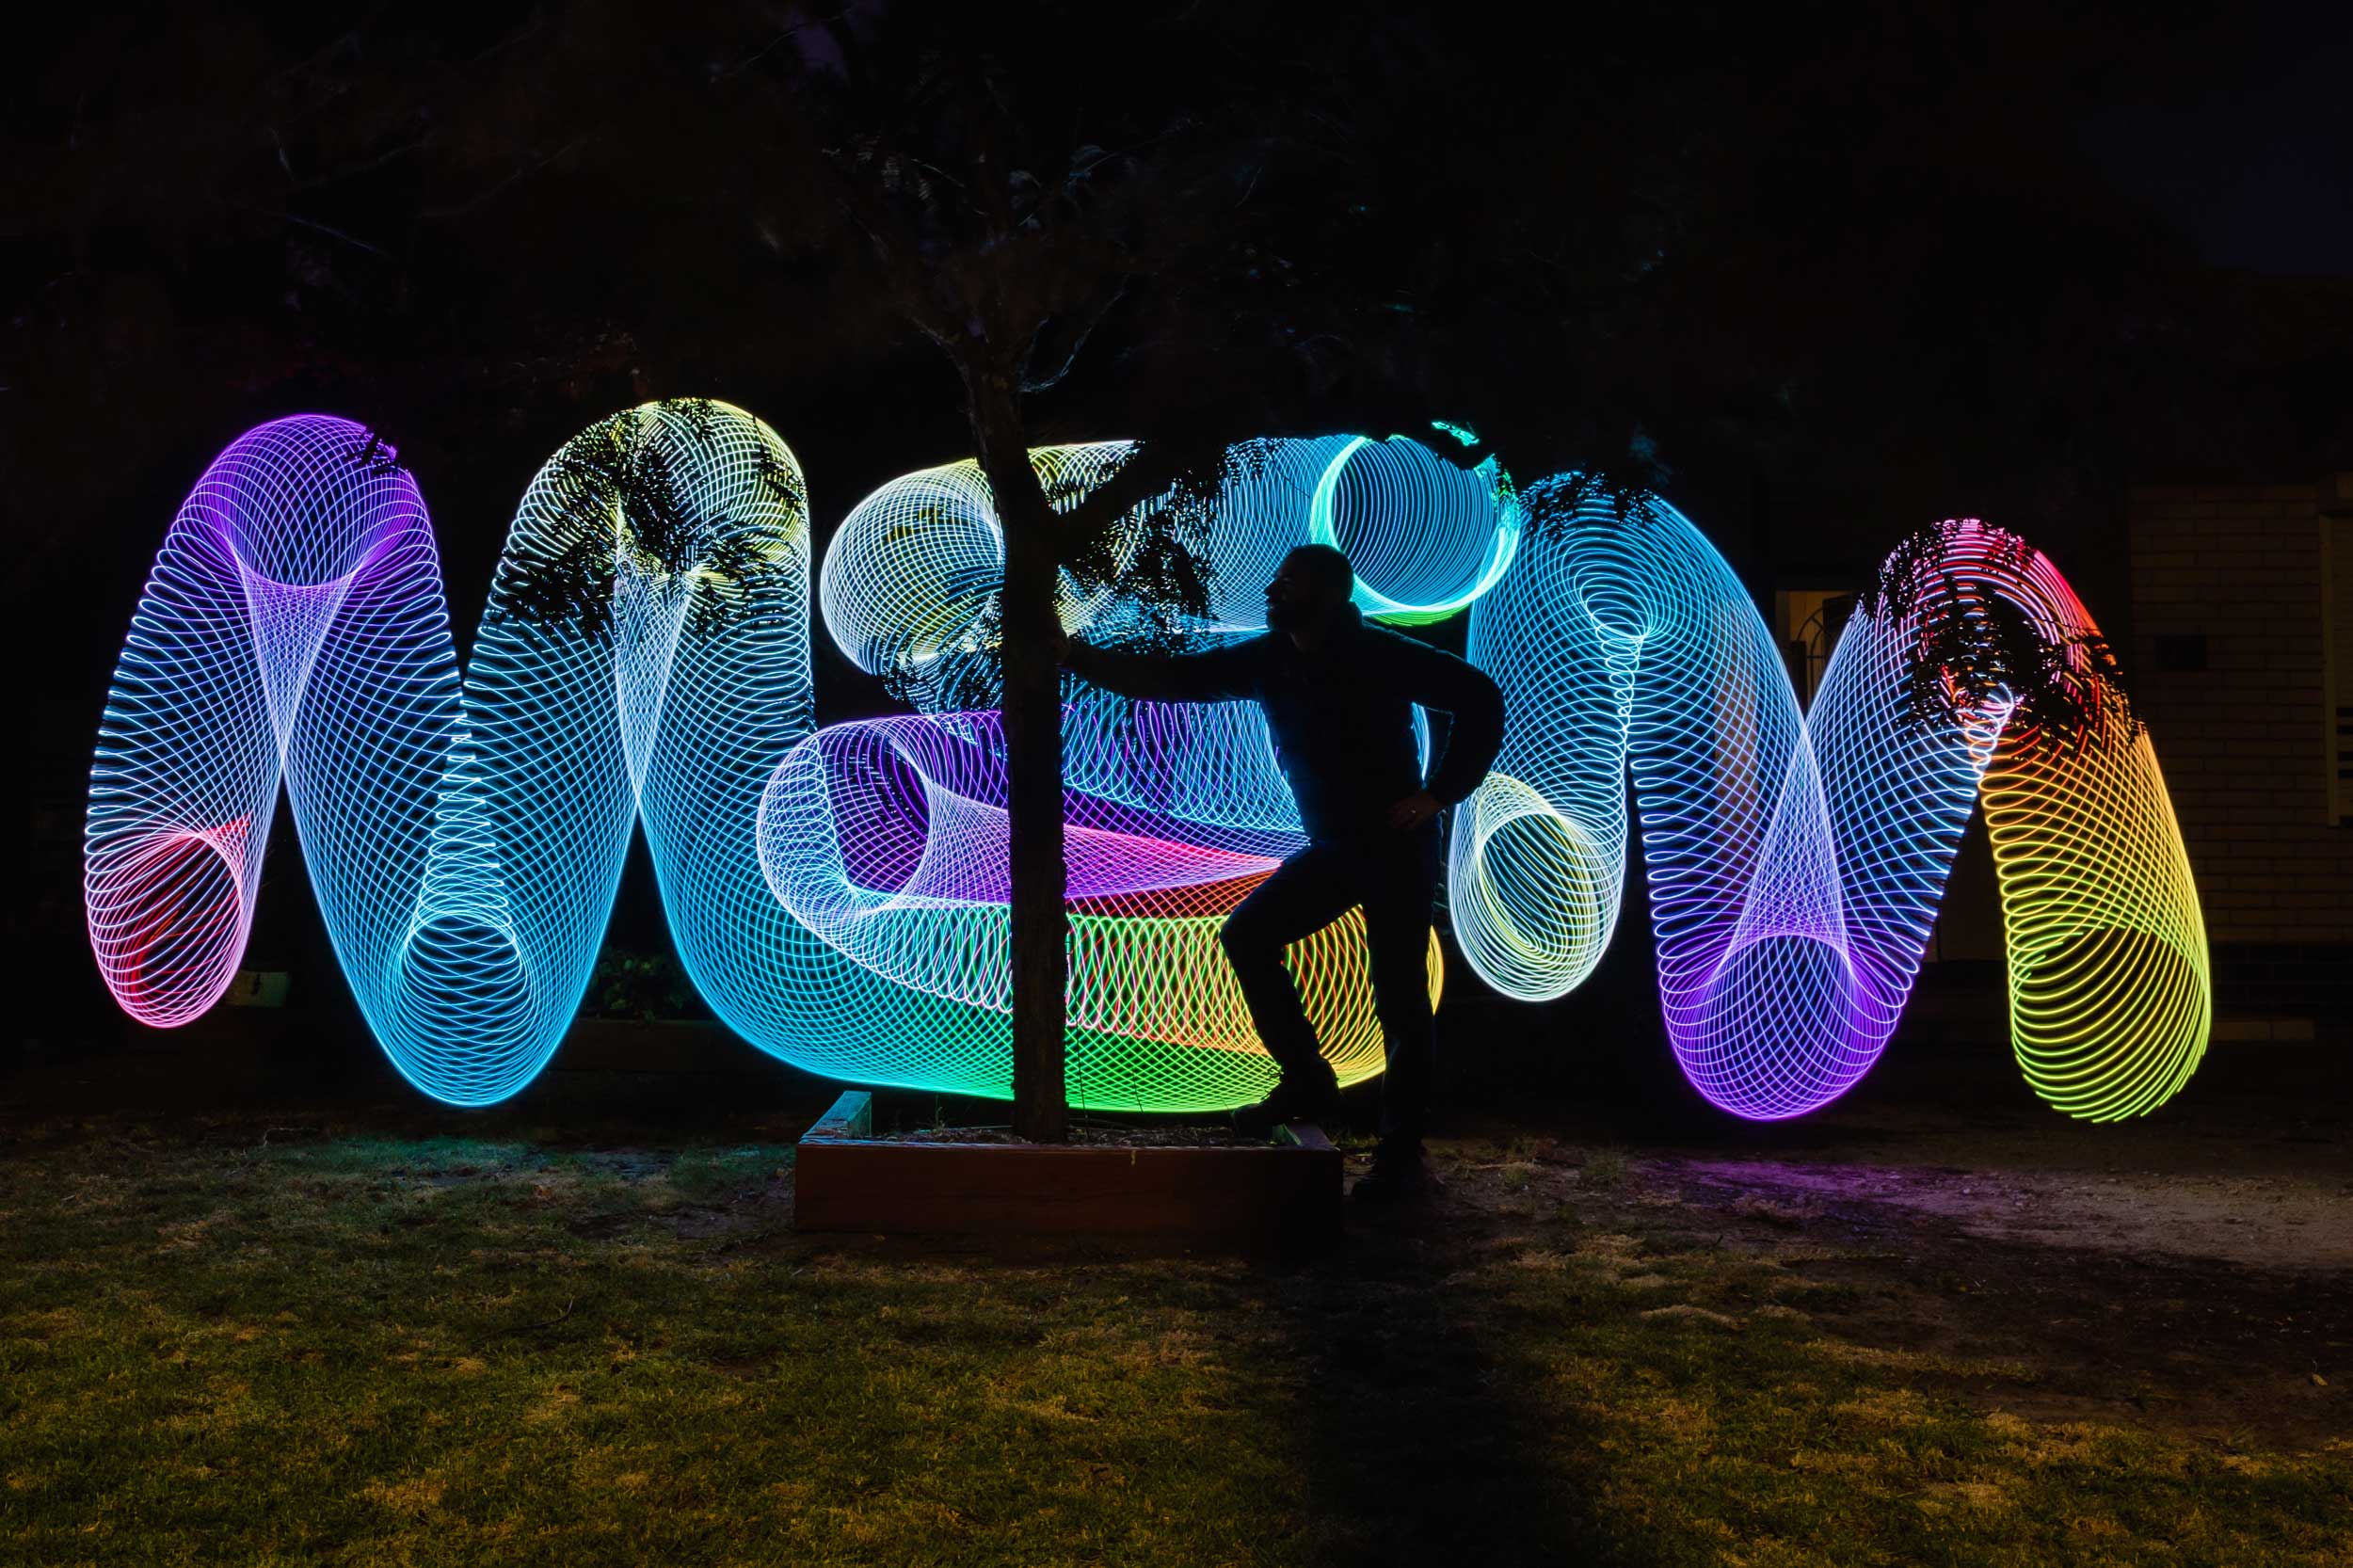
{"x": 1315, "y": 580}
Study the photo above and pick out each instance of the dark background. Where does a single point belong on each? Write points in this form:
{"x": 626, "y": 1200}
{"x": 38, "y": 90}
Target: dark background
{"x": 1820, "y": 273}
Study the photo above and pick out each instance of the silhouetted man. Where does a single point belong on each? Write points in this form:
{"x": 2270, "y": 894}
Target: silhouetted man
{"x": 1338, "y": 696}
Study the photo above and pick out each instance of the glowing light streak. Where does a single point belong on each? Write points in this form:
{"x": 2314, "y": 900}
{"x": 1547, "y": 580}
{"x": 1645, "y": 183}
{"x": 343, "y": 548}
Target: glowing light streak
{"x": 838, "y": 895}
{"x": 465, "y": 836}
{"x": 1795, "y": 861}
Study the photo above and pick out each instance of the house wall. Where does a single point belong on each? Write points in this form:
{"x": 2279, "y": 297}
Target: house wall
{"x": 2231, "y": 658}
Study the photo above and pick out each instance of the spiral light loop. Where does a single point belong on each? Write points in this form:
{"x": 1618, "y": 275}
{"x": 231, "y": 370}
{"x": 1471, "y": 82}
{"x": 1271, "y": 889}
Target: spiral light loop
{"x": 464, "y": 838}
{"x": 839, "y": 895}
{"x": 1795, "y": 861}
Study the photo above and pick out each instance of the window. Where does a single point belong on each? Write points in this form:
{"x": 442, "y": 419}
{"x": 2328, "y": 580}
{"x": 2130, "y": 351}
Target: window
{"x": 1808, "y": 623}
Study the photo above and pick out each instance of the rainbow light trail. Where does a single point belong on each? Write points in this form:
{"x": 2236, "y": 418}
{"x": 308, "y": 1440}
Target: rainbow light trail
{"x": 1795, "y": 861}
{"x": 838, "y": 895}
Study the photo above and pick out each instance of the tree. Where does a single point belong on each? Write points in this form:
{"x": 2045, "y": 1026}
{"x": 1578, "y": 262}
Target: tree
{"x": 1976, "y": 650}
{"x": 1218, "y": 210}
{"x": 1008, "y": 250}
{"x": 627, "y": 510}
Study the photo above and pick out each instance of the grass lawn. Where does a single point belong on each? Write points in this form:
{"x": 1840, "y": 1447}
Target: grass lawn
{"x": 295, "y": 1339}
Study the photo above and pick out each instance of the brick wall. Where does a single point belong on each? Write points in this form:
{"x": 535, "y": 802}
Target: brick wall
{"x": 2244, "y": 741}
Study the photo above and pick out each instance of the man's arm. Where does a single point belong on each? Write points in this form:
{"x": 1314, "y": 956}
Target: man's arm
{"x": 1439, "y": 680}
{"x": 1215, "y": 675}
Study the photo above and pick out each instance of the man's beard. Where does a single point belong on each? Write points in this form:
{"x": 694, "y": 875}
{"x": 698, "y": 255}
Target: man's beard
{"x": 1287, "y": 615}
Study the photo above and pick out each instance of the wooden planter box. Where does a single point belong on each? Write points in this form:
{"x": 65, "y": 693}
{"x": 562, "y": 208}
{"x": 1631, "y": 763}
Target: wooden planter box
{"x": 1279, "y": 1199}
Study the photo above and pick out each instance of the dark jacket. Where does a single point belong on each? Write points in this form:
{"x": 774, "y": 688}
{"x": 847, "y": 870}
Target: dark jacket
{"x": 1341, "y": 715}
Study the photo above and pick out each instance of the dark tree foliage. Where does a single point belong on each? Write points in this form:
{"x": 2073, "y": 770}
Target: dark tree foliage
{"x": 1153, "y": 557}
{"x": 1149, "y": 559}
{"x": 1016, "y": 206}
{"x": 627, "y": 508}
{"x": 1979, "y": 649}
{"x": 646, "y": 988}
{"x": 1615, "y": 491}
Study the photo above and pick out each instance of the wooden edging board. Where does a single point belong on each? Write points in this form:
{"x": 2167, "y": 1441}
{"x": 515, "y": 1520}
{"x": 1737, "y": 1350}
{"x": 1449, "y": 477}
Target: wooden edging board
{"x": 1283, "y": 1198}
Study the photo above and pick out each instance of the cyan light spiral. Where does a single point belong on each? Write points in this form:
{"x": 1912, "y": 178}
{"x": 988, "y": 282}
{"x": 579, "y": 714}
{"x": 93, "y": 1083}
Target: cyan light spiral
{"x": 464, "y": 836}
{"x": 838, "y": 895}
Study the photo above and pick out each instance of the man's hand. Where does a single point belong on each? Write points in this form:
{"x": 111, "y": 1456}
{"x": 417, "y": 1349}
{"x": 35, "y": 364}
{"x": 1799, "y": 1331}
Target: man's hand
{"x": 1413, "y": 811}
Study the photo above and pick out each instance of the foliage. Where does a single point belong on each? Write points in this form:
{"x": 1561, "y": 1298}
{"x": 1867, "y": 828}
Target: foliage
{"x": 1551, "y": 506}
{"x": 1978, "y": 652}
{"x": 1149, "y": 557}
{"x": 1152, "y": 557}
{"x": 378, "y": 207}
{"x": 626, "y": 509}
{"x": 649, "y": 987}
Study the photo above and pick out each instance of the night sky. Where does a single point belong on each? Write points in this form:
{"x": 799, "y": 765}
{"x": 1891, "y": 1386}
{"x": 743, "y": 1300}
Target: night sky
{"x": 2254, "y": 166}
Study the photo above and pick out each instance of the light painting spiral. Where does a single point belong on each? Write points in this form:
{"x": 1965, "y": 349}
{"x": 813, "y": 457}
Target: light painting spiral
{"x": 838, "y": 895}
{"x": 1795, "y": 861}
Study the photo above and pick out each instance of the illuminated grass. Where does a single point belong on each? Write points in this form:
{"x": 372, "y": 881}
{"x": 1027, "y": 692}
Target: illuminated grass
{"x": 338, "y": 1346}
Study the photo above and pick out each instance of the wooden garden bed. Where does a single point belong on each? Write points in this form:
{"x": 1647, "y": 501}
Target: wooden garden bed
{"x": 1281, "y": 1199}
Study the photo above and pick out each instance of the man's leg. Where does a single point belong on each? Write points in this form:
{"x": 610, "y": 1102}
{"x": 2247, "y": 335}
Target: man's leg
{"x": 1398, "y": 884}
{"x": 1305, "y": 894}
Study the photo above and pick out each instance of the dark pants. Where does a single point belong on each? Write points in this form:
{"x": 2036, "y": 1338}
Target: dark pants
{"x": 1393, "y": 875}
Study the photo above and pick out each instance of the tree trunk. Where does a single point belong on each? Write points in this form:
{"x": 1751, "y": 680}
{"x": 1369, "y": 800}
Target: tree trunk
{"x": 1032, "y": 719}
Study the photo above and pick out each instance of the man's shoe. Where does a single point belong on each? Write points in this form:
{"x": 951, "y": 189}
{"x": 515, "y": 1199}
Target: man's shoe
{"x": 1396, "y": 1183}
{"x": 1289, "y": 1102}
